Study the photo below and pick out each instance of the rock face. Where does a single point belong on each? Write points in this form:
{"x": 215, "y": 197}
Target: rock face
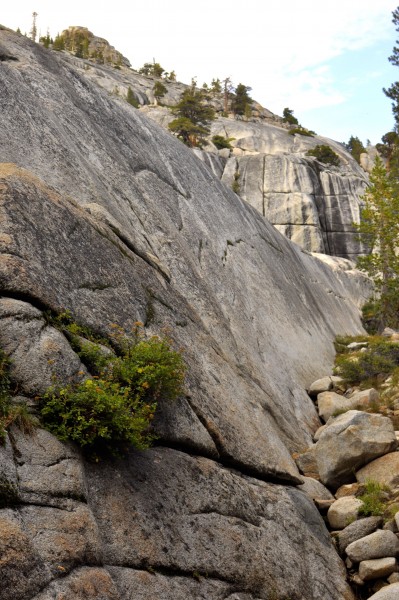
{"x": 107, "y": 216}
{"x": 80, "y": 40}
{"x": 313, "y": 204}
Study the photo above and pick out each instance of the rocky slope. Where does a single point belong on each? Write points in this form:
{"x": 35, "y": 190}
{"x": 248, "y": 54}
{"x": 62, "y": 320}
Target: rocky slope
{"x": 106, "y": 215}
{"x": 311, "y": 203}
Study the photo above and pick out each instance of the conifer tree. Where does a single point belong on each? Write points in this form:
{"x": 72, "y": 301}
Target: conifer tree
{"x": 379, "y": 229}
{"x": 355, "y": 147}
{"x": 193, "y": 117}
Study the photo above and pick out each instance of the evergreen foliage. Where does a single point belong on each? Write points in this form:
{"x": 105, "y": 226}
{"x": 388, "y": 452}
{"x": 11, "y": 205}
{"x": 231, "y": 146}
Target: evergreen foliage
{"x": 222, "y": 142}
{"x": 324, "y": 154}
{"x": 59, "y": 43}
{"x": 241, "y": 99}
{"x": 379, "y": 228}
{"x": 159, "y": 90}
{"x": 288, "y": 116}
{"x": 301, "y": 131}
{"x": 131, "y": 98}
{"x": 153, "y": 69}
{"x": 193, "y": 117}
{"x": 355, "y": 147}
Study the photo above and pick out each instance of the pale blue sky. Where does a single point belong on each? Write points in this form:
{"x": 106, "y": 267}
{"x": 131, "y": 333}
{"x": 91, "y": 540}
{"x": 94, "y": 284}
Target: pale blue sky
{"x": 328, "y": 61}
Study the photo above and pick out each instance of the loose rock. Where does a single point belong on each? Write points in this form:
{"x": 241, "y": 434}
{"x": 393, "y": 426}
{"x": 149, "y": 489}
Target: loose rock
{"x": 390, "y": 592}
{"x": 343, "y": 512}
{"x": 379, "y": 544}
{"x": 374, "y": 569}
{"x": 357, "y": 530}
{"x": 351, "y": 441}
{"x": 383, "y": 470}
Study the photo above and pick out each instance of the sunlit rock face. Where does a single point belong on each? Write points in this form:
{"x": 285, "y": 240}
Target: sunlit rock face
{"x": 313, "y": 204}
{"x": 106, "y": 215}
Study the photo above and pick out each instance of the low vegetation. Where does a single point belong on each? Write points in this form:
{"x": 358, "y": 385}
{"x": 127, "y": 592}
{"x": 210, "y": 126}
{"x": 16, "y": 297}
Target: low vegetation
{"x": 301, "y": 131}
{"x": 113, "y": 410}
{"x": 222, "y": 142}
{"x": 369, "y": 365}
{"x": 374, "y": 498}
{"x": 11, "y": 414}
{"x": 324, "y": 154}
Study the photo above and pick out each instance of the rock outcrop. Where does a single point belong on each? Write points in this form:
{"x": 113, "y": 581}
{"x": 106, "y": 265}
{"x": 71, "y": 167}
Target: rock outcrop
{"x": 106, "y": 215}
{"x": 311, "y": 203}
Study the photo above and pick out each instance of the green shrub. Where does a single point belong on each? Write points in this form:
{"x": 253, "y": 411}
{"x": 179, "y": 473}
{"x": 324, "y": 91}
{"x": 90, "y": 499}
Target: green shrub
{"x": 131, "y": 98}
{"x": 222, "y": 142}
{"x": 236, "y": 183}
{"x": 301, "y": 131}
{"x": 11, "y": 414}
{"x": 8, "y": 493}
{"x": 341, "y": 342}
{"x": 378, "y": 360}
{"x": 114, "y": 410}
{"x": 374, "y": 499}
{"x": 324, "y": 154}
{"x": 288, "y": 117}
{"x": 97, "y": 414}
{"x": 151, "y": 369}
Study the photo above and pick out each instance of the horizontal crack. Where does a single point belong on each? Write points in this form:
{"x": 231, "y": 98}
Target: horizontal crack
{"x": 175, "y": 571}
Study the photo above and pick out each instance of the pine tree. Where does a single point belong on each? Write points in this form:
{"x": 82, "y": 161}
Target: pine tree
{"x": 379, "y": 229}
{"x": 288, "y": 116}
{"x": 159, "y": 90}
{"x": 355, "y": 147}
{"x": 241, "y": 99}
{"x": 193, "y": 117}
{"x": 33, "y": 31}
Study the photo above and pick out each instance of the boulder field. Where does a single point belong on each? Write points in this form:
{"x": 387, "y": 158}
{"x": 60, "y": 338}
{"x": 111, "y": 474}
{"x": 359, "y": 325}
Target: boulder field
{"x": 106, "y": 215}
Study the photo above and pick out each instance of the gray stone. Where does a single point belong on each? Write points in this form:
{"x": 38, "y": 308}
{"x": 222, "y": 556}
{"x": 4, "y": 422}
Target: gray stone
{"x": 8, "y": 474}
{"x": 325, "y": 384}
{"x": 364, "y": 398}
{"x": 343, "y": 512}
{"x": 315, "y": 208}
{"x": 352, "y": 440}
{"x": 379, "y": 544}
{"x": 82, "y": 584}
{"x": 374, "y": 569}
{"x": 173, "y": 247}
{"x": 40, "y": 355}
{"x": 394, "y": 578}
{"x": 318, "y": 433}
{"x": 64, "y": 539}
{"x": 306, "y": 463}
{"x": 50, "y": 472}
{"x": 357, "y": 345}
{"x": 357, "y": 530}
{"x": 383, "y": 470}
{"x": 314, "y": 489}
{"x": 349, "y": 489}
{"x": 331, "y": 404}
{"x": 133, "y": 584}
{"x": 205, "y": 515}
{"x": 22, "y": 570}
{"x": 390, "y": 592}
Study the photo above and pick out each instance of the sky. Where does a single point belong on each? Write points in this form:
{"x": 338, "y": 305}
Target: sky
{"x": 327, "y": 61}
